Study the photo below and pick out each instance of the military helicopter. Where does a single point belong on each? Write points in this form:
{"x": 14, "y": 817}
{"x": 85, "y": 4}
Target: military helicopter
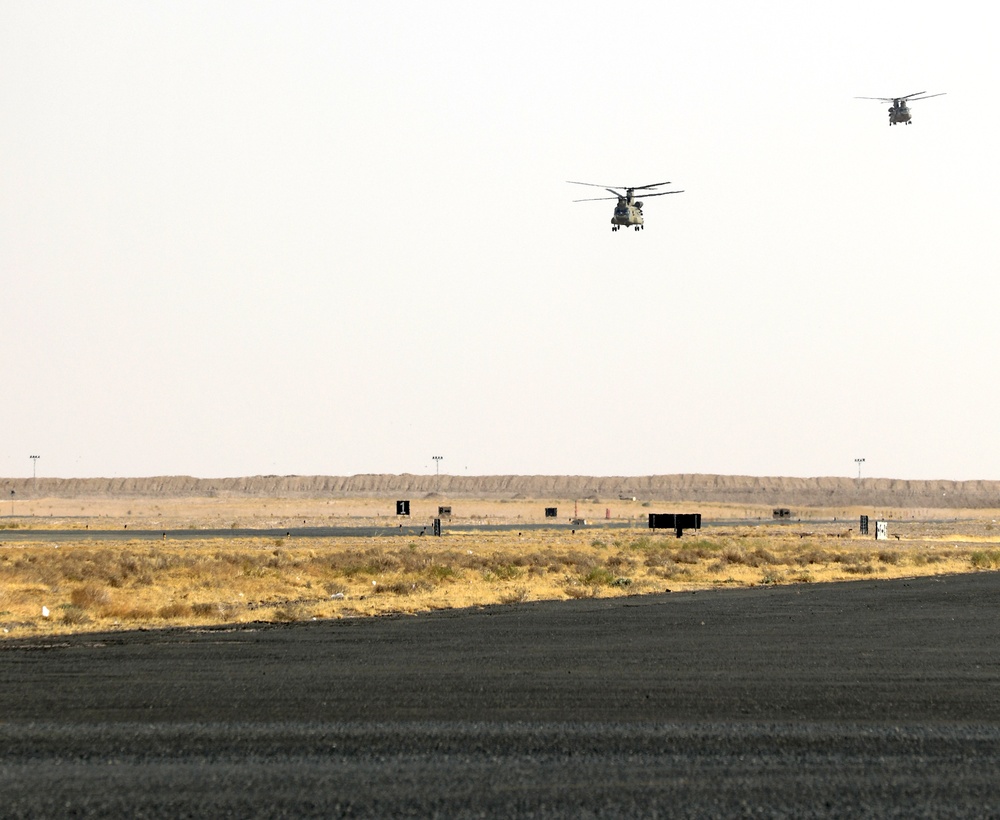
{"x": 628, "y": 211}
{"x": 899, "y": 111}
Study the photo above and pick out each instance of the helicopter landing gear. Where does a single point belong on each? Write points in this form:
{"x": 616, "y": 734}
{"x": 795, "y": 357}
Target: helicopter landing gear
{"x": 638, "y": 227}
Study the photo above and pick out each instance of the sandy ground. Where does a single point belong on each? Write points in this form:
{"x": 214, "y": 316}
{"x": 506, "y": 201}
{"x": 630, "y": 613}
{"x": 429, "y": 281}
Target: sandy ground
{"x": 203, "y": 512}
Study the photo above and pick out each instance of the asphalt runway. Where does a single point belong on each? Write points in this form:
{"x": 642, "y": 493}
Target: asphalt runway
{"x": 872, "y": 698}
{"x": 408, "y": 530}
{"x": 355, "y": 531}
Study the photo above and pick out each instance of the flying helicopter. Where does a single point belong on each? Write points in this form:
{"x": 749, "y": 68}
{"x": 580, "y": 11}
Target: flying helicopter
{"x": 899, "y": 111}
{"x": 628, "y": 211}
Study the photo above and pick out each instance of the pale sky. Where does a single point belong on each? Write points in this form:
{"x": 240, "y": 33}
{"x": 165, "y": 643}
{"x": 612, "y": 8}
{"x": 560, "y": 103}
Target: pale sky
{"x": 242, "y": 238}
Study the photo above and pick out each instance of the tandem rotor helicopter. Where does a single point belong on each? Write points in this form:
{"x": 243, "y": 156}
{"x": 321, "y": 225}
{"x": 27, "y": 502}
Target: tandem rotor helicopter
{"x": 899, "y": 111}
{"x": 628, "y": 211}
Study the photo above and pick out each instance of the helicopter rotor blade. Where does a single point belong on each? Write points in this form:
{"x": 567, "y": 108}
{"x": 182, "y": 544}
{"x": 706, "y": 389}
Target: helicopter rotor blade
{"x": 616, "y": 188}
{"x": 919, "y": 95}
{"x": 623, "y": 191}
{"x": 594, "y": 185}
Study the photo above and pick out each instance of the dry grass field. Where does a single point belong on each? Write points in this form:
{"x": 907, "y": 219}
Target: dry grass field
{"x": 51, "y": 587}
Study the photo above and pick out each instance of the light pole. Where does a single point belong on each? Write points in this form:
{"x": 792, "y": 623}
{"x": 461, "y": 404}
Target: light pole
{"x": 437, "y": 464}
{"x": 34, "y": 471}
{"x": 859, "y": 462}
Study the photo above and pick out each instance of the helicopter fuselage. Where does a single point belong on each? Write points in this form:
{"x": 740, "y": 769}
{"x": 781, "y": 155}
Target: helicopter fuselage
{"x": 626, "y": 214}
{"x": 899, "y": 112}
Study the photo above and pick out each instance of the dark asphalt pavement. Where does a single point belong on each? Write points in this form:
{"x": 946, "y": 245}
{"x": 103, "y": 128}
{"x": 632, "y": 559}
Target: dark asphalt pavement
{"x": 407, "y": 530}
{"x": 867, "y": 698}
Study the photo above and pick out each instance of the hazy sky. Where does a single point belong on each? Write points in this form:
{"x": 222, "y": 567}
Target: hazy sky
{"x": 243, "y": 238}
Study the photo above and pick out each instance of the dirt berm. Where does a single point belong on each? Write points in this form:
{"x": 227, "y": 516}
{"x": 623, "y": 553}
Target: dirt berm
{"x": 813, "y": 492}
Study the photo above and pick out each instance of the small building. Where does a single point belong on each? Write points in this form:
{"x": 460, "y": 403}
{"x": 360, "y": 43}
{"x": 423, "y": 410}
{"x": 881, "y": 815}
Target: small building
{"x": 675, "y": 521}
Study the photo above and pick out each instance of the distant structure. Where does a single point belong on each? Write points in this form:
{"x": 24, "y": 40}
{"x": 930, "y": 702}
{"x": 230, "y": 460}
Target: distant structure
{"x": 678, "y": 522}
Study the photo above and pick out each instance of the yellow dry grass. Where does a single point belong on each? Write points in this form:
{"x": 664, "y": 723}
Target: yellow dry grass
{"x": 91, "y": 585}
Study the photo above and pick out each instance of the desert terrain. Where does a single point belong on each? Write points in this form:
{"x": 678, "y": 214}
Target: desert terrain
{"x": 865, "y": 699}
{"x": 179, "y": 648}
{"x": 55, "y": 586}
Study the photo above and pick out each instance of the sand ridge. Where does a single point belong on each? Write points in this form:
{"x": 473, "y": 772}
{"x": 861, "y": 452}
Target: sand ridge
{"x": 829, "y": 491}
